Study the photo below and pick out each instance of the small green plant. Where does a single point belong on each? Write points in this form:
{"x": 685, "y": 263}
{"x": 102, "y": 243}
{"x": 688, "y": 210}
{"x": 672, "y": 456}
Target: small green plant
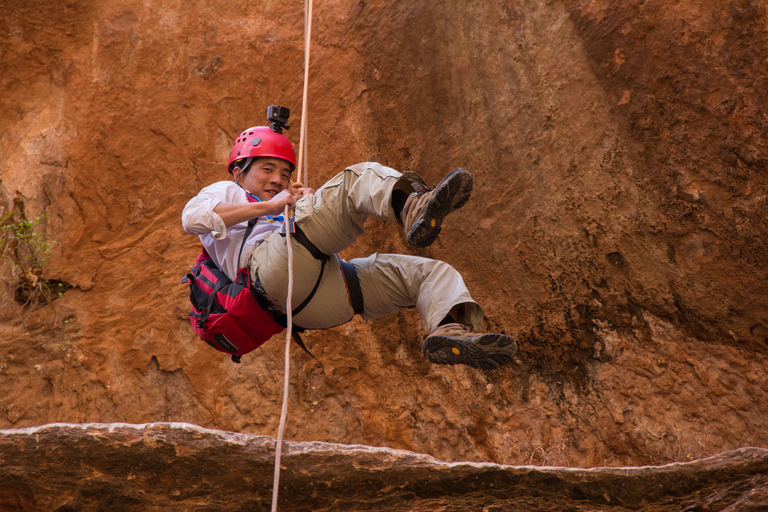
{"x": 27, "y": 251}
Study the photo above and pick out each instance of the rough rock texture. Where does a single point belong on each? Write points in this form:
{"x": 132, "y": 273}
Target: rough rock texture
{"x": 173, "y": 466}
{"x": 617, "y": 228}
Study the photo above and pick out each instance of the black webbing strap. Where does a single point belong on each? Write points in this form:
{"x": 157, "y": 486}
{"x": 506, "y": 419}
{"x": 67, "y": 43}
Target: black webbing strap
{"x": 305, "y": 242}
{"x": 248, "y": 231}
{"x": 282, "y": 319}
{"x": 312, "y": 293}
{"x": 353, "y": 286}
{"x": 207, "y": 311}
{"x": 300, "y": 343}
{"x": 354, "y": 290}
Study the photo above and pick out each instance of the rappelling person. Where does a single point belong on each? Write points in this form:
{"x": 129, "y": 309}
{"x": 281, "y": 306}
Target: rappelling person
{"x": 327, "y": 221}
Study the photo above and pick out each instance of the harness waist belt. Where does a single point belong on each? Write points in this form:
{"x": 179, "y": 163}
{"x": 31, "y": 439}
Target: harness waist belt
{"x": 354, "y": 290}
{"x": 304, "y": 241}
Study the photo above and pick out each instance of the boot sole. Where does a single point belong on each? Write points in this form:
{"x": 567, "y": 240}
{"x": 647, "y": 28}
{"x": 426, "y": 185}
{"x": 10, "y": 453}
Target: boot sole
{"x": 449, "y": 195}
{"x": 484, "y": 351}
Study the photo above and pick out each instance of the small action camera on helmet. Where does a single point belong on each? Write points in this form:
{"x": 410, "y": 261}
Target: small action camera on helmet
{"x": 278, "y": 116}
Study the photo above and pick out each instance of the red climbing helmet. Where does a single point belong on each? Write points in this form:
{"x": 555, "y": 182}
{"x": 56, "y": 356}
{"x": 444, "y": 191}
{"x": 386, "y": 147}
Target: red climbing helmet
{"x": 262, "y": 141}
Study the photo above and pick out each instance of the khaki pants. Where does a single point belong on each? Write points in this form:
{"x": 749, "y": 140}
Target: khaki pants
{"x": 332, "y": 218}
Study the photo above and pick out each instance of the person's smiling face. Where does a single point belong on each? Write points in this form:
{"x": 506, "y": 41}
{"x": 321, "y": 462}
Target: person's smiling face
{"x": 266, "y": 177}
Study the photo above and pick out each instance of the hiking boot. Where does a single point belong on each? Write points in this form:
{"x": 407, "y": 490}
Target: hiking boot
{"x": 425, "y": 209}
{"x": 454, "y": 344}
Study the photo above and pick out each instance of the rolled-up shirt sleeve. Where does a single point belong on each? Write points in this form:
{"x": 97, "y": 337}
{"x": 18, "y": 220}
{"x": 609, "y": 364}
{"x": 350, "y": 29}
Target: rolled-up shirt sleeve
{"x": 198, "y": 217}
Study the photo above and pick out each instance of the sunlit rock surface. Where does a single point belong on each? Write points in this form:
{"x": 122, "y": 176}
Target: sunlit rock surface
{"x": 617, "y": 226}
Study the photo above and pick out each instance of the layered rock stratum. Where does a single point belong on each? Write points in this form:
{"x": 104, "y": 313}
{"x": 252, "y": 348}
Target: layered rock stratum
{"x": 175, "y": 466}
{"x": 617, "y": 227}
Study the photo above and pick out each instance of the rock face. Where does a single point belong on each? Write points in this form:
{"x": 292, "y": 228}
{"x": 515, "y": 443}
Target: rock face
{"x": 617, "y": 227}
{"x": 174, "y": 466}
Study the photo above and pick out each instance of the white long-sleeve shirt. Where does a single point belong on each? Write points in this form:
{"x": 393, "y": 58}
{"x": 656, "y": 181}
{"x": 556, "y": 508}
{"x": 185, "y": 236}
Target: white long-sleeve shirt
{"x": 221, "y": 243}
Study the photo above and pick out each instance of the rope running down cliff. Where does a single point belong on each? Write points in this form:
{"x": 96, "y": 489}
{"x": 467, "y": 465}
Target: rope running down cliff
{"x": 288, "y": 306}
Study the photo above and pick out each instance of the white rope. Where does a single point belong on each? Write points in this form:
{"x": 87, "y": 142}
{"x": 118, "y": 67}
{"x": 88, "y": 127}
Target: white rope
{"x": 289, "y": 299}
{"x": 287, "y": 372}
{"x": 304, "y": 107}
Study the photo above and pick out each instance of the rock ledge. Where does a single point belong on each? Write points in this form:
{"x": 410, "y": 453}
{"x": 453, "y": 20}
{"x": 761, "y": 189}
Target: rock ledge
{"x": 179, "y": 466}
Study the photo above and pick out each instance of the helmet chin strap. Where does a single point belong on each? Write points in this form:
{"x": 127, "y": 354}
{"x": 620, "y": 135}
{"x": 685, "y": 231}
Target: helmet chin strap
{"x": 244, "y": 169}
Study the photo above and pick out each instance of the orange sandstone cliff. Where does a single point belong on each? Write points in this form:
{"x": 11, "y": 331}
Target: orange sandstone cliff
{"x": 617, "y": 228}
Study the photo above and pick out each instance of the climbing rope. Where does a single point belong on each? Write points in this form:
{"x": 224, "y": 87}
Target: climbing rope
{"x": 287, "y": 372}
{"x": 303, "y": 130}
{"x": 289, "y": 299}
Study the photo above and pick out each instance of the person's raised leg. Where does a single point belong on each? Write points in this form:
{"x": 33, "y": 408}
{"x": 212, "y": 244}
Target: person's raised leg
{"x": 423, "y": 212}
{"x": 394, "y": 282}
{"x": 455, "y": 343}
{"x": 334, "y": 216}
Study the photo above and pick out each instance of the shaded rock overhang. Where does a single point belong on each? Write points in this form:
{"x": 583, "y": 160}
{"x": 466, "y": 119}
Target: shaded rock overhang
{"x": 179, "y": 466}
